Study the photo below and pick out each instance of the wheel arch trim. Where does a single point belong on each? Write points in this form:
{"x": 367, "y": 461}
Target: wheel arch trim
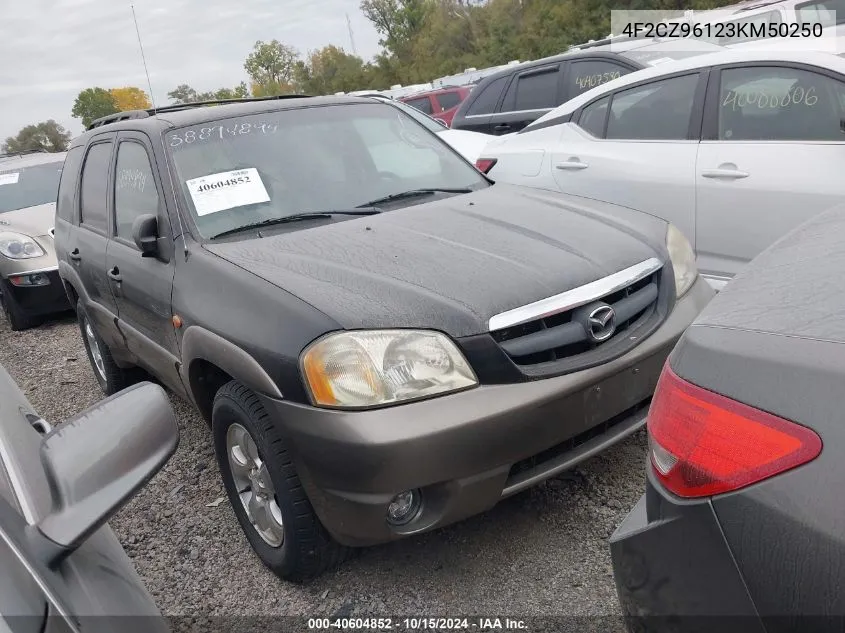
{"x": 201, "y": 344}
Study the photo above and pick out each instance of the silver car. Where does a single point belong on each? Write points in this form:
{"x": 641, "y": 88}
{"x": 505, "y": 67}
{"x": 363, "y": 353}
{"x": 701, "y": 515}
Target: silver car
{"x": 30, "y": 287}
{"x": 734, "y": 148}
{"x": 61, "y": 566}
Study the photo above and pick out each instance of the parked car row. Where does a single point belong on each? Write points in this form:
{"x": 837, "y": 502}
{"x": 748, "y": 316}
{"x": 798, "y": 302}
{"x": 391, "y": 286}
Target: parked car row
{"x": 734, "y": 148}
{"x": 386, "y": 339}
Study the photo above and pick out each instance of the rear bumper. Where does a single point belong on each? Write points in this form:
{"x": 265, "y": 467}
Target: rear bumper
{"x": 39, "y": 300}
{"x": 674, "y": 569}
{"x": 467, "y": 451}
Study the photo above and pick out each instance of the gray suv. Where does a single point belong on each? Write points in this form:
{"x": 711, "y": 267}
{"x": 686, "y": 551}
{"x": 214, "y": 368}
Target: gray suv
{"x": 382, "y": 340}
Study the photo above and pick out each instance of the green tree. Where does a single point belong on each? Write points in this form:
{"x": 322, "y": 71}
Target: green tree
{"x": 185, "y": 94}
{"x": 47, "y": 135}
{"x": 330, "y": 70}
{"x": 271, "y": 66}
{"x": 399, "y": 22}
{"x": 426, "y": 39}
{"x": 93, "y": 103}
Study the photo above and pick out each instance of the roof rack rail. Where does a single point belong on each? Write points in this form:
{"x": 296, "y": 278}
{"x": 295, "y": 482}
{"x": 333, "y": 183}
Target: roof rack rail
{"x": 176, "y": 107}
{"x": 118, "y": 116}
{"x": 199, "y": 104}
{"x": 605, "y": 41}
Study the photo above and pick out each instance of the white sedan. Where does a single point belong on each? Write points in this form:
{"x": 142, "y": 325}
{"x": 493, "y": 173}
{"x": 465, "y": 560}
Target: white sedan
{"x": 735, "y": 148}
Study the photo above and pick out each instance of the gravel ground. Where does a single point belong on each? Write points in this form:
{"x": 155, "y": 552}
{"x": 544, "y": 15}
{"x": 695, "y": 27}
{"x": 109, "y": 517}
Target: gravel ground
{"x": 543, "y": 552}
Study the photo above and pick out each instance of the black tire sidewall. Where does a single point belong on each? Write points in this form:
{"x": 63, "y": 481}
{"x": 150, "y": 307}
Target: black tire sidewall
{"x": 295, "y": 560}
{"x": 227, "y": 411}
{"x": 114, "y": 381}
{"x": 17, "y": 318}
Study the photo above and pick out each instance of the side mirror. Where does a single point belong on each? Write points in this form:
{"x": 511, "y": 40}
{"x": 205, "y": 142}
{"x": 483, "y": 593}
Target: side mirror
{"x": 145, "y": 234}
{"x": 98, "y": 460}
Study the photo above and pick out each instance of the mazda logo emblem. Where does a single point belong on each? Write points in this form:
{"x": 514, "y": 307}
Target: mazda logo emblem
{"x": 601, "y": 323}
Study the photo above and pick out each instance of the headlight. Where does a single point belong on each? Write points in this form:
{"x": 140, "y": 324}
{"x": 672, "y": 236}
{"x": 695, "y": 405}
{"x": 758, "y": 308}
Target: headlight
{"x": 683, "y": 260}
{"x": 17, "y": 246}
{"x": 371, "y": 368}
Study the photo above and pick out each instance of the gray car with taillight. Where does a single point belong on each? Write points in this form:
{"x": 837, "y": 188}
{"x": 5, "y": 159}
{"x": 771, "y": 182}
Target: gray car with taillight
{"x": 29, "y": 280}
{"x": 383, "y": 340}
{"x": 61, "y": 566}
{"x": 741, "y": 526}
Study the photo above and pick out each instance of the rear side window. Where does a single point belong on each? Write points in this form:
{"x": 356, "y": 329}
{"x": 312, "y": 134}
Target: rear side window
{"x": 656, "y": 111}
{"x": 780, "y": 104}
{"x": 488, "y": 98}
{"x": 95, "y": 178}
{"x": 423, "y": 105}
{"x": 588, "y": 74}
{"x": 448, "y": 100}
{"x": 534, "y": 91}
{"x": 826, "y": 12}
{"x": 135, "y": 191}
{"x": 593, "y": 117}
{"x": 67, "y": 185}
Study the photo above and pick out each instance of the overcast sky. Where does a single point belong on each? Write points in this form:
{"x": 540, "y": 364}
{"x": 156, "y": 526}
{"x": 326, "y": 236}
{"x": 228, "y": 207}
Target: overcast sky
{"x": 52, "y": 49}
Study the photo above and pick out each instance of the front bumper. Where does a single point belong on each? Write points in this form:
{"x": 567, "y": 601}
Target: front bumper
{"x": 468, "y": 450}
{"x": 38, "y": 300}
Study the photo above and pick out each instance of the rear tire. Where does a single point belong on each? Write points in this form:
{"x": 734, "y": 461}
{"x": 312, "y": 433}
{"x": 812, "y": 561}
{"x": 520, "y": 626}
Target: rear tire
{"x": 110, "y": 377}
{"x": 18, "y": 319}
{"x": 305, "y": 549}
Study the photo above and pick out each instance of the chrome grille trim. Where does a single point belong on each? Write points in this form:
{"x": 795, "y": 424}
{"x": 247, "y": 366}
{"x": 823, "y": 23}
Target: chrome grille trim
{"x": 575, "y": 297}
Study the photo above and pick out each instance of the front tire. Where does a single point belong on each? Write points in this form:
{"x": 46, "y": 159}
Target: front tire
{"x": 265, "y": 491}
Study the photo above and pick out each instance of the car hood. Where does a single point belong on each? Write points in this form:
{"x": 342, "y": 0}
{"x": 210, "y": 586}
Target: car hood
{"x": 32, "y": 221}
{"x": 453, "y": 263}
{"x": 469, "y": 144}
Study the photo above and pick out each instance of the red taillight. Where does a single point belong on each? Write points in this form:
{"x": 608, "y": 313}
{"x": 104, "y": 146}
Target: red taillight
{"x": 485, "y": 164}
{"x": 702, "y": 444}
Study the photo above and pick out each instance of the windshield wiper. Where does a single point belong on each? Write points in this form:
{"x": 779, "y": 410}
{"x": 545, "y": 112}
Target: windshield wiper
{"x": 297, "y": 217}
{"x": 413, "y": 193}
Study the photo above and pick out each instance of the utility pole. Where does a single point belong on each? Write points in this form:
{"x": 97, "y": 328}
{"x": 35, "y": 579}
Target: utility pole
{"x": 351, "y": 35}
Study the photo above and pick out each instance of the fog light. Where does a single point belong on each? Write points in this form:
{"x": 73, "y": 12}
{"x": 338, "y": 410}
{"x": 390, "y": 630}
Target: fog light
{"x": 35, "y": 279}
{"x": 404, "y": 507}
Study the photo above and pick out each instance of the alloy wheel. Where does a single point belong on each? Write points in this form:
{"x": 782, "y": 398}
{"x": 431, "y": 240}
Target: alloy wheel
{"x": 254, "y": 486}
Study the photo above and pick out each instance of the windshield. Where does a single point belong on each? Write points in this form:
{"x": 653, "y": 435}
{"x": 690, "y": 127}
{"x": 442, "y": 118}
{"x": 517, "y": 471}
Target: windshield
{"x": 430, "y": 124}
{"x": 22, "y": 187}
{"x": 248, "y": 169}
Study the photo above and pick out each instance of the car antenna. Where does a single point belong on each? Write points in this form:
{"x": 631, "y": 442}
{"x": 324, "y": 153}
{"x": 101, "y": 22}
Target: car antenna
{"x": 143, "y": 57}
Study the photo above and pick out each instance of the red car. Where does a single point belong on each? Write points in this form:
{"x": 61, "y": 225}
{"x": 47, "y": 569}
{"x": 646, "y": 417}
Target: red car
{"x": 440, "y": 104}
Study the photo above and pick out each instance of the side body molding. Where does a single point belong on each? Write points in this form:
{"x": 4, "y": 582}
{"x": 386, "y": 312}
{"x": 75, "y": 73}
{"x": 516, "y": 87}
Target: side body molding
{"x": 201, "y": 344}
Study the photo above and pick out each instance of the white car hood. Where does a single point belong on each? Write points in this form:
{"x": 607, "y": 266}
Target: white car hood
{"x": 469, "y": 144}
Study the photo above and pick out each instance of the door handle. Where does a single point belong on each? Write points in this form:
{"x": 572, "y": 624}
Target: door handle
{"x": 573, "y": 164}
{"x": 114, "y": 274}
{"x": 502, "y": 127}
{"x": 74, "y": 255}
{"x": 724, "y": 174}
